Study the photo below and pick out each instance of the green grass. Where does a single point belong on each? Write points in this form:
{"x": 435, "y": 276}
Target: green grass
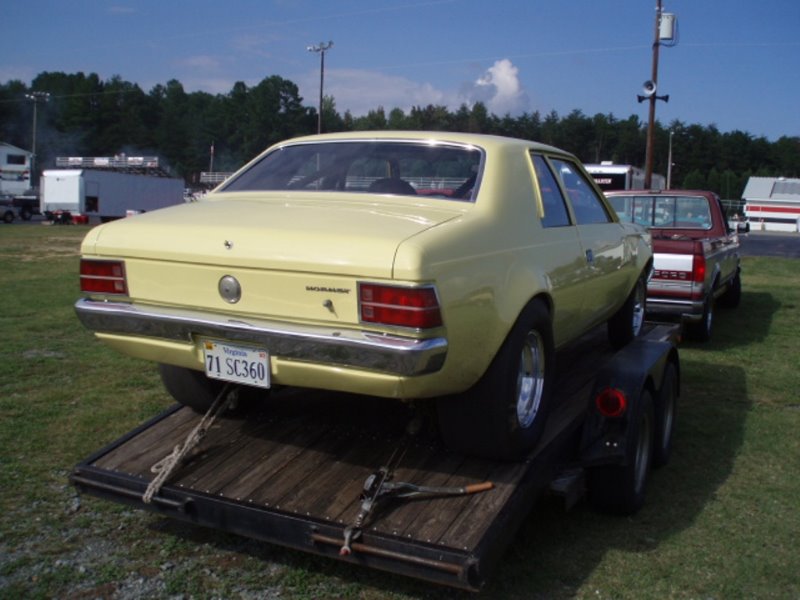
{"x": 721, "y": 521}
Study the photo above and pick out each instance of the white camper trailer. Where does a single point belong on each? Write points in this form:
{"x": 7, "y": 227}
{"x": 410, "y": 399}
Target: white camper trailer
{"x": 107, "y": 189}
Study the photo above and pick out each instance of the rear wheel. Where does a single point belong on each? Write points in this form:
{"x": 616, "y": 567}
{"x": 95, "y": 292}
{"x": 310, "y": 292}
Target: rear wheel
{"x": 504, "y": 414}
{"x": 25, "y": 213}
{"x": 620, "y": 489}
{"x": 733, "y": 295}
{"x": 193, "y": 389}
{"x": 627, "y": 322}
{"x": 700, "y": 331}
{"x": 8, "y": 216}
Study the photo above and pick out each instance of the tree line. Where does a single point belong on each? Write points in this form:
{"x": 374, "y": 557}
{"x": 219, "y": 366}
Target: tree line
{"x": 198, "y": 131}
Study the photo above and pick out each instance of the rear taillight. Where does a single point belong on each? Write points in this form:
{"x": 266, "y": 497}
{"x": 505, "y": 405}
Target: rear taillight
{"x": 611, "y": 402}
{"x": 400, "y": 306}
{"x": 103, "y": 277}
{"x": 699, "y": 268}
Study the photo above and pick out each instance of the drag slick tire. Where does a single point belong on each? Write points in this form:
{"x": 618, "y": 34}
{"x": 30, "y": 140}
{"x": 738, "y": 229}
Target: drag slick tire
{"x": 504, "y": 414}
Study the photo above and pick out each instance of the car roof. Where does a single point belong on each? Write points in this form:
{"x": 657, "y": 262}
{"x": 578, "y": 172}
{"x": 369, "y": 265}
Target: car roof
{"x": 477, "y": 139}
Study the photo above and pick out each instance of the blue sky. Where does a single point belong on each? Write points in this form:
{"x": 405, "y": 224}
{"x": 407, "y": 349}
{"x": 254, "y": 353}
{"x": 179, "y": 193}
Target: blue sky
{"x": 735, "y": 64}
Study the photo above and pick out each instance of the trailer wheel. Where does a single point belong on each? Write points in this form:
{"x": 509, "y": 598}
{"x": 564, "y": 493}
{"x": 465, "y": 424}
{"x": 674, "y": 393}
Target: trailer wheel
{"x": 620, "y": 489}
{"x": 193, "y": 389}
{"x": 8, "y": 216}
{"x": 25, "y": 213}
{"x": 666, "y": 410}
{"x": 700, "y": 331}
{"x": 627, "y": 322}
{"x": 504, "y": 414}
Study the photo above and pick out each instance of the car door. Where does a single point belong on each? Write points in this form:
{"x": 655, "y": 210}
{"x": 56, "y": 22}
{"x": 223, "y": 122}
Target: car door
{"x": 608, "y": 259}
{"x": 559, "y": 253}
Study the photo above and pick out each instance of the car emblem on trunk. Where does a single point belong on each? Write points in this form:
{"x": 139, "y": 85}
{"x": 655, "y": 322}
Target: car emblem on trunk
{"x": 230, "y": 289}
{"x": 228, "y": 244}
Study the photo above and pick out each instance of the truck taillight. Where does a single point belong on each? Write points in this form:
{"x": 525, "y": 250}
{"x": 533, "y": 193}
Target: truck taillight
{"x": 699, "y": 268}
{"x": 611, "y": 402}
{"x": 400, "y": 306}
{"x": 103, "y": 277}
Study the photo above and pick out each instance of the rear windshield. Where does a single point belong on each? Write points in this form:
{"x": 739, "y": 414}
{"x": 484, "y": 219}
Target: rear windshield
{"x": 681, "y": 212}
{"x": 378, "y": 167}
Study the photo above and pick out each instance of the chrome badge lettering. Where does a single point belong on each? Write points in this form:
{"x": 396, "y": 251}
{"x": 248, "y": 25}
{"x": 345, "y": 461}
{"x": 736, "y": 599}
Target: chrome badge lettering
{"x": 327, "y": 290}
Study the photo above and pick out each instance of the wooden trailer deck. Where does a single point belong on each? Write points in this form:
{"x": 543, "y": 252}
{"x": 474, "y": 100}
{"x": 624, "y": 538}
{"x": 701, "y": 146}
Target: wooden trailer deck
{"x": 291, "y": 472}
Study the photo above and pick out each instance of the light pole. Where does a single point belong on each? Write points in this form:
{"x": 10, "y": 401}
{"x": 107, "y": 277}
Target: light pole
{"x": 321, "y": 48}
{"x": 35, "y": 97}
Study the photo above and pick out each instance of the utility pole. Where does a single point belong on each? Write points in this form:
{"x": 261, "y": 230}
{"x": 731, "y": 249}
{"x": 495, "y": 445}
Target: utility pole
{"x": 321, "y": 48}
{"x": 650, "y": 88}
{"x": 35, "y": 97}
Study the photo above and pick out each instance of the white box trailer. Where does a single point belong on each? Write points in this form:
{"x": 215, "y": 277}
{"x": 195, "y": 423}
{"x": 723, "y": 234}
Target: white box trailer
{"x": 610, "y": 177}
{"x": 106, "y": 194}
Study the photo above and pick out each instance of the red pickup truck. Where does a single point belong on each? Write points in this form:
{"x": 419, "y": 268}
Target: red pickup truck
{"x": 696, "y": 254}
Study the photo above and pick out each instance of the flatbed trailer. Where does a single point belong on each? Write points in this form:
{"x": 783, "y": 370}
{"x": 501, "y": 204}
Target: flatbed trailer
{"x": 292, "y": 469}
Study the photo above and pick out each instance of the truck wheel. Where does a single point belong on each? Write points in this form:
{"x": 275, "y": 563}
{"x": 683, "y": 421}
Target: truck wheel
{"x": 8, "y": 216}
{"x": 620, "y": 489}
{"x": 666, "y": 410}
{"x": 700, "y": 331}
{"x": 26, "y": 214}
{"x": 733, "y": 295}
{"x": 504, "y": 414}
{"x": 627, "y": 322}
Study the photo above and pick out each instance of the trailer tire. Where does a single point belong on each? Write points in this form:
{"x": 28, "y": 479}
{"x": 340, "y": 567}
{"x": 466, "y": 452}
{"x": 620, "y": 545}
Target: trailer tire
{"x": 620, "y": 489}
{"x": 25, "y": 213}
{"x": 666, "y": 411}
{"x": 504, "y": 414}
{"x": 626, "y": 324}
{"x": 8, "y": 216}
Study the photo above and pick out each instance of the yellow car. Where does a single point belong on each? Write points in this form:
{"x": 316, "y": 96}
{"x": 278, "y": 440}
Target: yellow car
{"x": 398, "y": 264}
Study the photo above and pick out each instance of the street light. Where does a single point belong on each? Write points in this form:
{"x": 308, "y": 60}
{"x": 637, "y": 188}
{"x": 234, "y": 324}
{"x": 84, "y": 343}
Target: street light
{"x": 321, "y": 48}
{"x": 35, "y": 97}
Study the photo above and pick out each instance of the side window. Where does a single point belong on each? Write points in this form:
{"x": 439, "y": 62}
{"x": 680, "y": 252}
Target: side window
{"x": 555, "y": 211}
{"x": 586, "y": 204}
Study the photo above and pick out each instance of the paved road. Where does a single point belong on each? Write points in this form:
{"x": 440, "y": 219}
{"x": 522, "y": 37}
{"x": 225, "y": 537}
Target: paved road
{"x": 782, "y": 245}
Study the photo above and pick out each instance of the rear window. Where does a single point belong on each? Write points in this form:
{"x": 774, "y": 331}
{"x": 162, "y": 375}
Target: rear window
{"x": 680, "y": 212}
{"x": 380, "y": 167}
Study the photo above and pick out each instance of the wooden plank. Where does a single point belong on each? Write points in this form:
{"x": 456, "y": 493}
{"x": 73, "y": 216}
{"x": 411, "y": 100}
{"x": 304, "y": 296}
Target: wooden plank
{"x": 137, "y": 455}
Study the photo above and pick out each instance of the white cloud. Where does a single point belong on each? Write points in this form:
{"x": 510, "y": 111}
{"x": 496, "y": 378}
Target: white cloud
{"x": 500, "y": 89}
{"x": 199, "y": 62}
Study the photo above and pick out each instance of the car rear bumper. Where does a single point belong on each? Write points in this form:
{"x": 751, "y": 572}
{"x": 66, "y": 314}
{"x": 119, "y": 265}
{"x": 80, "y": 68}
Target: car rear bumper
{"x": 391, "y": 354}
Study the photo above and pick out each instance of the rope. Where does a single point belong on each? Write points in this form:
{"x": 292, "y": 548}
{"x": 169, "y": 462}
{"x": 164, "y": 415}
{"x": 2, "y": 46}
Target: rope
{"x": 167, "y": 465}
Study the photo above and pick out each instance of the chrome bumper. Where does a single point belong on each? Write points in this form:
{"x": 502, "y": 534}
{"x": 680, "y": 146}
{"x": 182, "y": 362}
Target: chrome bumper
{"x": 392, "y": 354}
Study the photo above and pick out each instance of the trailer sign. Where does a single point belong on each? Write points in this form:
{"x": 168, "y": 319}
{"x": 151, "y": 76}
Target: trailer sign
{"x": 238, "y": 364}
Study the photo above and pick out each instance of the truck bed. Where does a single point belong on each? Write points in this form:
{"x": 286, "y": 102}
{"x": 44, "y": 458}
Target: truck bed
{"x": 290, "y": 471}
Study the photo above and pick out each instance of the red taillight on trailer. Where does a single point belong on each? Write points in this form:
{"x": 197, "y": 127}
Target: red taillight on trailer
{"x": 103, "y": 277}
{"x": 611, "y": 402}
{"x": 400, "y": 306}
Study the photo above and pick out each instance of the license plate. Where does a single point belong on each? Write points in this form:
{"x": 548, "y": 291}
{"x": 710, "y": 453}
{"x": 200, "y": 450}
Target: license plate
{"x": 239, "y": 364}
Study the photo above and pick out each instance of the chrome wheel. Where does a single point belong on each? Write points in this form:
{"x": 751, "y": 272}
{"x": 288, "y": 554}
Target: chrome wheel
{"x": 530, "y": 379}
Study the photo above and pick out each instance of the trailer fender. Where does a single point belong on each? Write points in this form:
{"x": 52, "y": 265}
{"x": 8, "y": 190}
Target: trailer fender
{"x": 639, "y": 366}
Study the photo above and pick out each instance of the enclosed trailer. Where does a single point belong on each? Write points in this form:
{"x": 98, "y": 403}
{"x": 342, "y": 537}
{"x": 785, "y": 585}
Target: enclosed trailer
{"x": 107, "y": 190}
{"x": 609, "y": 176}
